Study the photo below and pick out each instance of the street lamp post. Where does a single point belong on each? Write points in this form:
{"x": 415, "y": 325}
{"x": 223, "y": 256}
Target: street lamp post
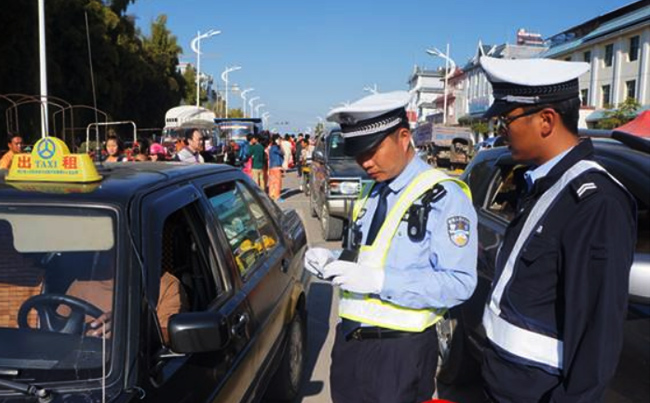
{"x": 250, "y": 104}
{"x": 243, "y": 95}
{"x": 257, "y": 109}
{"x": 372, "y": 90}
{"x": 43, "y": 67}
{"x": 224, "y": 77}
{"x": 265, "y": 118}
{"x": 448, "y": 60}
{"x": 196, "y": 47}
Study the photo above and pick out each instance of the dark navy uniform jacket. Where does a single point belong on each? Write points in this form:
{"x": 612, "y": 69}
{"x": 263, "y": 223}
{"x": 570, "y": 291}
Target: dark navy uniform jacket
{"x": 570, "y": 282}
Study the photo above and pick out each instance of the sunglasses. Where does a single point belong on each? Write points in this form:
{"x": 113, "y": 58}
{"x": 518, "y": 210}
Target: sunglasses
{"x": 502, "y": 122}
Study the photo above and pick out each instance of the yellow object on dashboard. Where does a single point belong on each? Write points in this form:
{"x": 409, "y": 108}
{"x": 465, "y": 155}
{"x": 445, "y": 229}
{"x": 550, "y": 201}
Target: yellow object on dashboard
{"x": 51, "y": 161}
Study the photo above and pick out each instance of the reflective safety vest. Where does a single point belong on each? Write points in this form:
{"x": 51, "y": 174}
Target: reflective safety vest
{"x": 370, "y": 310}
{"x": 524, "y": 343}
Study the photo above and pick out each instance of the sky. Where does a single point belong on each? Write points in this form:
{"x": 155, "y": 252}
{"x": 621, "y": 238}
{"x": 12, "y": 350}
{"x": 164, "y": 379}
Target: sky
{"x": 304, "y": 58}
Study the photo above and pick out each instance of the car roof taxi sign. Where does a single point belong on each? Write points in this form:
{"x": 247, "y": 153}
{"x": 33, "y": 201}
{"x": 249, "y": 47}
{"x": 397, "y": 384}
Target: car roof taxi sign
{"x": 51, "y": 161}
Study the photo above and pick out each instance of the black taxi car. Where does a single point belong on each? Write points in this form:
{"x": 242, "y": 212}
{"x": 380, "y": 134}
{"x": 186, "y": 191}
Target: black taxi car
{"x": 158, "y": 282}
{"x": 495, "y": 180}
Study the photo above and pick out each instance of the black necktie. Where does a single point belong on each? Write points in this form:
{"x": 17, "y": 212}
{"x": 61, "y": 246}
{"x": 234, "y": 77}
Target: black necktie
{"x": 380, "y": 213}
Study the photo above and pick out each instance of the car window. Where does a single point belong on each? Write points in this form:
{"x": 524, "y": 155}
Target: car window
{"x": 508, "y": 186}
{"x": 335, "y": 145}
{"x": 44, "y": 268}
{"x": 248, "y": 228}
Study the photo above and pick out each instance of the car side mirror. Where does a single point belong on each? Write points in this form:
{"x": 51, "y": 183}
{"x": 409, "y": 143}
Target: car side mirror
{"x": 318, "y": 156}
{"x": 197, "y": 332}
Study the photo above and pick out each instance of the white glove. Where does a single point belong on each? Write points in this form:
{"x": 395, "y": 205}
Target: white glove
{"x": 316, "y": 259}
{"x": 355, "y": 277}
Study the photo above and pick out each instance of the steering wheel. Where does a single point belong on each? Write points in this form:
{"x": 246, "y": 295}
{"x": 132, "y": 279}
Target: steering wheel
{"x": 46, "y": 306}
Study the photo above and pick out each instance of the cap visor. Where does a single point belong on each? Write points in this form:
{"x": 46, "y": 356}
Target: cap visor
{"x": 355, "y": 146}
{"x": 499, "y": 108}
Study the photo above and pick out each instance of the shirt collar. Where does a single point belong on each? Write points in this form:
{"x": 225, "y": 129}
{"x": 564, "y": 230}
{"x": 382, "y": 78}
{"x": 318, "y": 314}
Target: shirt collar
{"x": 535, "y": 174}
{"x": 407, "y": 175}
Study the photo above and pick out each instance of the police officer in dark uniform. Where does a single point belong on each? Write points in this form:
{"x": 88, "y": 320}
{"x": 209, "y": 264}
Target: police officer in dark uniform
{"x": 554, "y": 316}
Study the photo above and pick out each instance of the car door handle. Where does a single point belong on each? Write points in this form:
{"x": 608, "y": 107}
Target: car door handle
{"x": 285, "y": 265}
{"x": 242, "y": 321}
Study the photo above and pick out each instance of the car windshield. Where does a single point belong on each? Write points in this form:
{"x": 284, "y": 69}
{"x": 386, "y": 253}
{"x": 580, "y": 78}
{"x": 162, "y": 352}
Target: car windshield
{"x": 56, "y": 277}
{"x": 235, "y": 131}
{"x": 335, "y": 146}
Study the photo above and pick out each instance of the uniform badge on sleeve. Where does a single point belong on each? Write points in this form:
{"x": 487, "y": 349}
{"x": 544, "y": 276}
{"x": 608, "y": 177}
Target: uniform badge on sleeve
{"x": 458, "y": 230}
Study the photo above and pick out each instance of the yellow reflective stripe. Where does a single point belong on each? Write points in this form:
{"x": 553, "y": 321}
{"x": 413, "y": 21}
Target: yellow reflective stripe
{"x": 361, "y": 200}
{"x": 376, "y": 312}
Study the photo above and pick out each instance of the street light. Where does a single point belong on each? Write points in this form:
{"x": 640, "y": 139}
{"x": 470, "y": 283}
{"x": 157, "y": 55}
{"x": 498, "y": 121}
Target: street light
{"x": 265, "y": 117}
{"x": 224, "y": 77}
{"x": 436, "y": 52}
{"x": 243, "y": 95}
{"x": 196, "y": 47}
{"x": 250, "y": 104}
{"x": 372, "y": 90}
{"x": 257, "y": 109}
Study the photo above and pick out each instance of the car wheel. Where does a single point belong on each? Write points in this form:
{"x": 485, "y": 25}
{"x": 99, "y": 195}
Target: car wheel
{"x": 332, "y": 227}
{"x": 455, "y": 365}
{"x": 285, "y": 384}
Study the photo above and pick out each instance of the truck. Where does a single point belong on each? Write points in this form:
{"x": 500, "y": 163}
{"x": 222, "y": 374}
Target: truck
{"x": 446, "y": 146}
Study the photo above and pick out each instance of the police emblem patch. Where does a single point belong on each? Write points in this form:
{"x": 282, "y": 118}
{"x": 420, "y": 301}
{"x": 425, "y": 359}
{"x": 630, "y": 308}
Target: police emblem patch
{"x": 458, "y": 230}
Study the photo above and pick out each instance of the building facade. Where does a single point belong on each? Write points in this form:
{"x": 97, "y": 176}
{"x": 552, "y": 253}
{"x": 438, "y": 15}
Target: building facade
{"x": 425, "y": 86}
{"x": 617, "y": 45}
{"x": 478, "y": 91}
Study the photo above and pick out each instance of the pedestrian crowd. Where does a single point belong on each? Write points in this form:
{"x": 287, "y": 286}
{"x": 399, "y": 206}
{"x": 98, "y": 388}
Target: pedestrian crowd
{"x": 266, "y": 157}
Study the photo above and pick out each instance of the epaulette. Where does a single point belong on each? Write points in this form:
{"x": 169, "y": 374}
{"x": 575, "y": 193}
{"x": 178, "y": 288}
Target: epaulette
{"x": 583, "y": 186}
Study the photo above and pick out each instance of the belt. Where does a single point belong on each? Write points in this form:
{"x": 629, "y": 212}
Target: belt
{"x": 367, "y": 333}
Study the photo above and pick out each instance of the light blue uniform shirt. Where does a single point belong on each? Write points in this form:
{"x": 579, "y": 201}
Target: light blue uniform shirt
{"x": 435, "y": 272}
{"x": 541, "y": 171}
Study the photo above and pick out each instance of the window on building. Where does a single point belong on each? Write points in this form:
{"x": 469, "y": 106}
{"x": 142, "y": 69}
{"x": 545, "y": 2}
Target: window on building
{"x": 567, "y": 59}
{"x": 606, "y": 93}
{"x": 609, "y": 55}
{"x": 631, "y": 88}
{"x": 634, "y": 48}
{"x": 586, "y": 56}
{"x": 584, "y": 94}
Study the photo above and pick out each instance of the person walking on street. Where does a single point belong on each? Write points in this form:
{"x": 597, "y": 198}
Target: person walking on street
{"x": 298, "y": 155}
{"x": 15, "y": 144}
{"x": 276, "y": 159}
{"x": 411, "y": 256}
{"x": 256, "y": 151}
{"x": 114, "y": 149}
{"x": 286, "y": 151}
{"x": 191, "y": 153}
{"x": 554, "y": 316}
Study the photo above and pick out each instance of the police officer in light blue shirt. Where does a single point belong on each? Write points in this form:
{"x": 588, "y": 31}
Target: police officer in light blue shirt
{"x": 412, "y": 255}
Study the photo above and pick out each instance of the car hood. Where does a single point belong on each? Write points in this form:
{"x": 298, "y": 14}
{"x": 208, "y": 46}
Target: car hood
{"x": 346, "y": 168}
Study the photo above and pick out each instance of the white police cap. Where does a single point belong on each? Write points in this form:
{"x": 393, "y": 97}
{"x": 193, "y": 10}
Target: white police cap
{"x": 366, "y": 122}
{"x": 523, "y": 82}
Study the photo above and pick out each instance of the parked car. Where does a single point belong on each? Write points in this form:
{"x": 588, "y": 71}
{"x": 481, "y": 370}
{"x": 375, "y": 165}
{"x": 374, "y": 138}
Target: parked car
{"x": 142, "y": 233}
{"x": 335, "y": 183}
{"x": 491, "y": 177}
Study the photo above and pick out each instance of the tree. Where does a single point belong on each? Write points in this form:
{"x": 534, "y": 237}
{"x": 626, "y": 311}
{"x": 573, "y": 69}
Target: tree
{"x": 190, "y": 89}
{"x": 135, "y": 76}
{"x": 235, "y": 113}
{"x": 625, "y": 112}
